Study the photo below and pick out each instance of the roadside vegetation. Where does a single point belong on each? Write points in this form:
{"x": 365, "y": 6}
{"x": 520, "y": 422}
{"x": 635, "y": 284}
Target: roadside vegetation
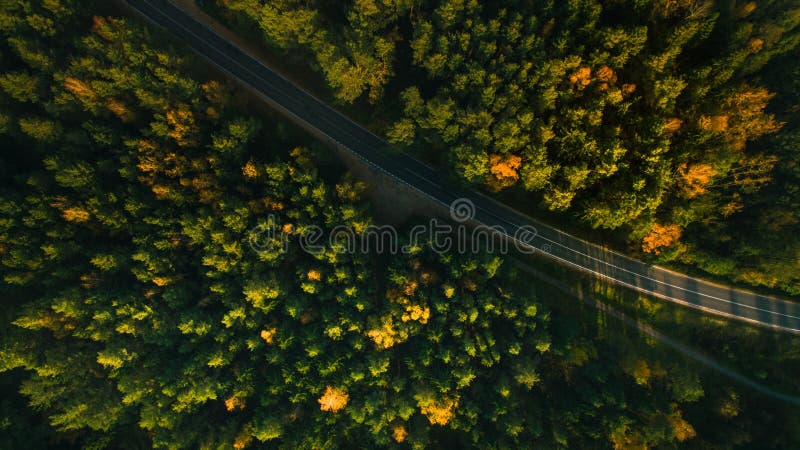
{"x": 671, "y": 126}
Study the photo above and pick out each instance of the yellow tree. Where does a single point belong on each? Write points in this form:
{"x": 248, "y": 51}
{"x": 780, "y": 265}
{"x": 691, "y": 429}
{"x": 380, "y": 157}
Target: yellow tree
{"x": 333, "y": 400}
{"x": 504, "y": 171}
{"x": 439, "y": 411}
{"x": 660, "y": 237}
{"x": 746, "y": 117}
{"x": 695, "y": 178}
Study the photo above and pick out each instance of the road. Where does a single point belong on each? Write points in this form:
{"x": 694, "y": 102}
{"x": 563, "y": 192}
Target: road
{"x": 642, "y": 328}
{"x": 579, "y": 254}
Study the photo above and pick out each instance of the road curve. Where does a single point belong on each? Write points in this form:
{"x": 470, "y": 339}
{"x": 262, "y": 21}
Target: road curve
{"x": 331, "y": 125}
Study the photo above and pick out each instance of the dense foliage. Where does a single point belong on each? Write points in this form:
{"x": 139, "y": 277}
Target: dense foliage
{"x": 136, "y": 314}
{"x": 633, "y": 115}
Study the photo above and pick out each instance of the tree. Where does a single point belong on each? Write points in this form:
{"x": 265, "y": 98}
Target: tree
{"x": 661, "y": 236}
{"x": 333, "y": 399}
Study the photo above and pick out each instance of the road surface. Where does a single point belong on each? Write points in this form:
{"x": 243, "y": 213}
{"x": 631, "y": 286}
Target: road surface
{"x": 686, "y": 350}
{"x": 523, "y": 230}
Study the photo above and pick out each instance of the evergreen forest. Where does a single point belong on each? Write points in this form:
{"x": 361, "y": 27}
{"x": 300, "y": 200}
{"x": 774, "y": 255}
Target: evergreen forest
{"x": 667, "y": 127}
{"x": 137, "y": 312}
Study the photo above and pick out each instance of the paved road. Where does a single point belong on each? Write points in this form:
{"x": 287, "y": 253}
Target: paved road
{"x": 328, "y": 124}
{"x": 686, "y": 350}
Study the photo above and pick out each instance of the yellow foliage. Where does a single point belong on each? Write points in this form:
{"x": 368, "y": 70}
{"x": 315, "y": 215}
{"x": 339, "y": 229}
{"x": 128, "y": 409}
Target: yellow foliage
{"x": 695, "y": 178}
{"x": 505, "y": 167}
{"x": 755, "y": 45}
{"x": 625, "y": 439}
{"x": 207, "y": 188}
{"x": 410, "y": 287}
{"x": 120, "y": 110}
{"x": 747, "y": 120}
{"x": 504, "y": 171}
{"x": 182, "y": 126}
{"x": 334, "y": 333}
{"x": 428, "y": 277}
{"x": 162, "y": 281}
{"x": 242, "y": 441}
{"x": 88, "y": 282}
{"x": 333, "y": 399}
{"x": 145, "y": 146}
{"x": 438, "y": 412}
{"x": 75, "y": 215}
{"x": 101, "y": 28}
{"x": 268, "y": 335}
{"x": 661, "y": 236}
{"x": 302, "y": 157}
{"x": 606, "y": 74}
{"x": 719, "y": 123}
{"x": 148, "y": 164}
{"x": 581, "y": 77}
{"x": 249, "y": 170}
{"x": 732, "y": 207}
{"x": 212, "y": 113}
{"x": 714, "y": 124}
{"x": 416, "y": 312}
{"x": 349, "y": 190}
{"x": 746, "y": 9}
{"x": 234, "y": 403}
{"x": 385, "y": 335}
{"x": 314, "y": 275}
{"x": 399, "y": 433}
{"x": 79, "y": 88}
{"x": 215, "y": 92}
{"x": 244, "y": 438}
{"x": 682, "y": 429}
{"x": 386, "y": 331}
{"x": 160, "y": 190}
{"x": 753, "y": 171}
{"x": 628, "y": 88}
{"x": 273, "y": 205}
{"x": 672, "y": 124}
{"x": 757, "y": 278}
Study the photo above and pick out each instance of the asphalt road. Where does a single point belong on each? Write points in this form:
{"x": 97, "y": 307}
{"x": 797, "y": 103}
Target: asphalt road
{"x": 527, "y": 233}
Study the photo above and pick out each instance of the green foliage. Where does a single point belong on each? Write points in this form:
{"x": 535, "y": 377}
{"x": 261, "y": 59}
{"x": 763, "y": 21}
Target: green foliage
{"x": 145, "y": 308}
{"x": 604, "y": 111}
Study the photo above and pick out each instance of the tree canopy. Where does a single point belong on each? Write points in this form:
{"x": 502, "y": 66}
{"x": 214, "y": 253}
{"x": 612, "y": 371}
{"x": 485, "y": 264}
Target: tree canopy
{"x": 624, "y": 115}
{"x": 144, "y": 307}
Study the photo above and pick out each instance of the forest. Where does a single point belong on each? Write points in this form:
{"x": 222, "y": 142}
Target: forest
{"x": 667, "y": 127}
{"x": 136, "y": 315}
